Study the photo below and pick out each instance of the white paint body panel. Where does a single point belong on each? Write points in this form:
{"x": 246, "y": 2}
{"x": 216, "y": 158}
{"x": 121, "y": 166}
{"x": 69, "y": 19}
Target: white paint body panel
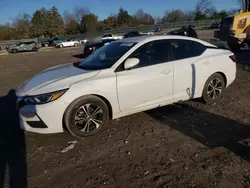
{"x": 68, "y": 43}
{"x": 128, "y": 91}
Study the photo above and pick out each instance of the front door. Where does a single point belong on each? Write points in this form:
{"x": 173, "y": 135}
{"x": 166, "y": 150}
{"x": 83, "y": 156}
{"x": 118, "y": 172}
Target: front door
{"x": 150, "y": 82}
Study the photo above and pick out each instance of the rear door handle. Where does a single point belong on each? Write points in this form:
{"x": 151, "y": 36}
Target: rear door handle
{"x": 166, "y": 72}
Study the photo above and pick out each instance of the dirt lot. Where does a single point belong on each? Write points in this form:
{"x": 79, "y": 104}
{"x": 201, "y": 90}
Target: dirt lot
{"x": 184, "y": 145}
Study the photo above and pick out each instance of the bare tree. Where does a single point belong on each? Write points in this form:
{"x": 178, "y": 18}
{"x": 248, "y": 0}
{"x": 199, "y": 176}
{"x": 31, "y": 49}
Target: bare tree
{"x": 22, "y": 22}
{"x": 67, "y": 17}
{"x": 79, "y": 12}
{"x": 143, "y": 17}
{"x": 203, "y": 9}
{"x": 244, "y": 5}
{"x": 204, "y": 6}
{"x": 175, "y": 16}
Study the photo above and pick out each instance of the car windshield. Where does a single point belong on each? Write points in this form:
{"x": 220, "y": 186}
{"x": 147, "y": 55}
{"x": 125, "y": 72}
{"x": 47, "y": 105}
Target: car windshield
{"x": 106, "y": 56}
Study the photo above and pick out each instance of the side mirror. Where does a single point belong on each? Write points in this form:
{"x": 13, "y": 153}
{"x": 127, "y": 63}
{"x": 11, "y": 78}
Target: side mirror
{"x": 131, "y": 62}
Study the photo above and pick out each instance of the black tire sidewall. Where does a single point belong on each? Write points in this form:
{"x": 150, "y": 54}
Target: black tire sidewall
{"x": 207, "y": 99}
{"x": 75, "y": 105}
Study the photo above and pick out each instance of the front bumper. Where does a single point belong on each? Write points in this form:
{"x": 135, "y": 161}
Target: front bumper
{"x": 43, "y": 119}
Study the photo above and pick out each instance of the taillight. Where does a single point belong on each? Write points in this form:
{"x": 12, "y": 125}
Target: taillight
{"x": 233, "y": 58}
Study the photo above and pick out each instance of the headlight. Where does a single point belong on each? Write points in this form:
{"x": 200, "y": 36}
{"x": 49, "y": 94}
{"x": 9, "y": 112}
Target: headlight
{"x": 43, "y": 98}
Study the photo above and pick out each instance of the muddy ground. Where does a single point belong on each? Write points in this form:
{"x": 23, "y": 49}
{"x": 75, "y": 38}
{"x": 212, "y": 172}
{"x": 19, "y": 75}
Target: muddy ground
{"x": 188, "y": 144}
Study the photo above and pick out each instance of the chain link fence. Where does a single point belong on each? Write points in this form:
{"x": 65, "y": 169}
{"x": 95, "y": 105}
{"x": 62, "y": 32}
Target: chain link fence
{"x": 149, "y": 28}
{"x": 167, "y": 26}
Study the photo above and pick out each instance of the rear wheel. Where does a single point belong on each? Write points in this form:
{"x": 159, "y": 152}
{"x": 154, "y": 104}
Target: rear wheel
{"x": 75, "y": 44}
{"x": 213, "y": 88}
{"x": 60, "y": 46}
{"x": 86, "y": 116}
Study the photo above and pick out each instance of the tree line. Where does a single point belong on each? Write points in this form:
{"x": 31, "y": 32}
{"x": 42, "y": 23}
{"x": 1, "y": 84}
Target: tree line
{"x": 49, "y": 22}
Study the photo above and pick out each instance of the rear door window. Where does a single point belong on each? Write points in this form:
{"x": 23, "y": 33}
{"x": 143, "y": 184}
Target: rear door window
{"x": 183, "y": 49}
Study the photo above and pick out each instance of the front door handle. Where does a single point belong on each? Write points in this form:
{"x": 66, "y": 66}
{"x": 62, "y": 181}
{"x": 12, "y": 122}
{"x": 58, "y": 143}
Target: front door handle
{"x": 166, "y": 72}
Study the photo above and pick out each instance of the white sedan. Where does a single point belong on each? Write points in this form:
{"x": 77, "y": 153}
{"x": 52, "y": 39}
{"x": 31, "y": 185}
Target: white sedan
{"x": 68, "y": 43}
{"x": 125, "y": 77}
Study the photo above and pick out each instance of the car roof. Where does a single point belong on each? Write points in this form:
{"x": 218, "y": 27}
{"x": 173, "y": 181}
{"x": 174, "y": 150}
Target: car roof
{"x": 143, "y": 39}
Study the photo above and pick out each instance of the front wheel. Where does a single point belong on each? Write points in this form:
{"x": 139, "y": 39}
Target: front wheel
{"x": 213, "y": 88}
{"x": 86, "y": 116}
{"x": 75, "y": 45}
{"x": 14, "y": 51}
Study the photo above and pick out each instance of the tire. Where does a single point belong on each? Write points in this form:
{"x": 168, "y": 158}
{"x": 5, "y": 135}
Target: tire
{"x": 14, "y": 51}
{"x": 86, "y": 122}
{"x": 60, "y": 46}
{"x": 75, "y": 45}
{"x": 210, "y": 94}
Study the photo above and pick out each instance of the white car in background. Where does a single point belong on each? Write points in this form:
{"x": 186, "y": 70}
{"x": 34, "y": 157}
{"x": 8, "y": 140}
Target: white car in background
{"x": 67, "y": 43}
{"x": 83, "y": 41}
{"x": 125, "y": 77}
{"x": 111, "y": 36}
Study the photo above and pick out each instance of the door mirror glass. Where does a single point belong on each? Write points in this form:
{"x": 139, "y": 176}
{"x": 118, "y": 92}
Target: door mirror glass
{"x": 131, "y": 62}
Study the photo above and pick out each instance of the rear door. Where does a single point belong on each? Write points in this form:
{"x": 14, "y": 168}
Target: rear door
{"x": 190, "y": 68}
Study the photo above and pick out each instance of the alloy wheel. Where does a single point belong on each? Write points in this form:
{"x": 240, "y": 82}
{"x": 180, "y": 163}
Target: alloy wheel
{"x": 89, "y": 117}
{"x": 214, "y": 88}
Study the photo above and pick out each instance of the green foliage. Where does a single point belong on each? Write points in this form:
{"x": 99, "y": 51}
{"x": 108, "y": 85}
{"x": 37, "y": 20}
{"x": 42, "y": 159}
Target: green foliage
{"x": 56, "y": 24}
{"x": 47, "y": 23}
{"x": 124, "y": 19}
{"x": 108, "y": 23}
{"x": 72, "y": 27}
{"x": 40, "y": 22}
{"x": 89, "y": 22}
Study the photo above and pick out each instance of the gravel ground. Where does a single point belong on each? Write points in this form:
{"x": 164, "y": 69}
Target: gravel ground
{"x": 188, "y": 144}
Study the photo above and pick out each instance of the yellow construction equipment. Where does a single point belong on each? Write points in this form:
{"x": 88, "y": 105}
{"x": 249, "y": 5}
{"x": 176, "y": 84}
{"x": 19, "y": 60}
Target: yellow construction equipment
{"x": 235, "y": 30}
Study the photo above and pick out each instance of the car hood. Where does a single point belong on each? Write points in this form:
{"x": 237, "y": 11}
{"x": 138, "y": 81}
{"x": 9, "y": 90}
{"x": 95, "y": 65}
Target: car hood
{"x": 54, "y": 79}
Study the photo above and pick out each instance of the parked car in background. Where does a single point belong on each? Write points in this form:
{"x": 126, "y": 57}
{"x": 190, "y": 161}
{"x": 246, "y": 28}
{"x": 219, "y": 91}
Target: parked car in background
{"x": 91, "y": 47}
{"x": 54, "y": 41}
{"x": 84, "y": 41}
{"x": 44, "y": 42}
{"x": 157, "y": 29}
{"x": 23, "y": 47}
{"x": 68, "y": 43}
{"x": 184, "y": 31}
{"x": 214, "y": 25}
{"x": 132, "y": 34}
{"x": 111, "y": 36}
{"x": 122, "y": 78}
